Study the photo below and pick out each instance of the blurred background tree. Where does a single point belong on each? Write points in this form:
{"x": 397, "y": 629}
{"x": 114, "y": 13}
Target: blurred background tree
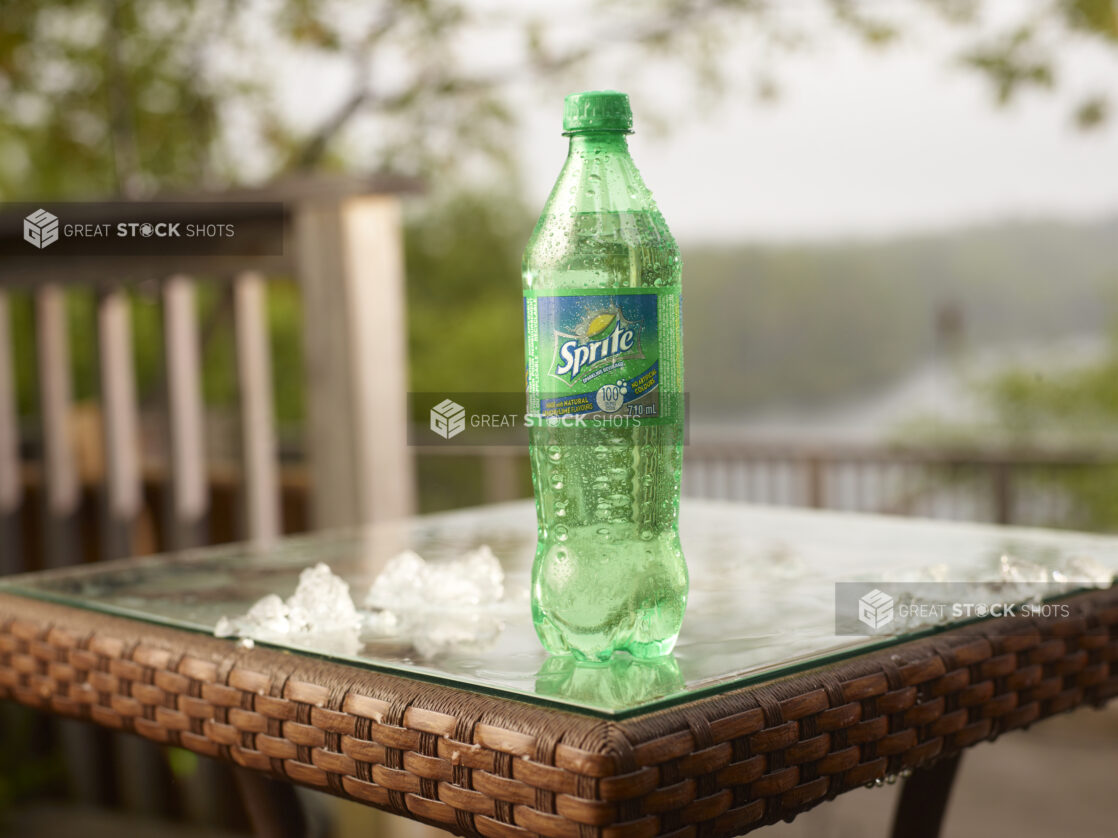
{"x": 137, "y": 96}
{"x": 132, "y": 97}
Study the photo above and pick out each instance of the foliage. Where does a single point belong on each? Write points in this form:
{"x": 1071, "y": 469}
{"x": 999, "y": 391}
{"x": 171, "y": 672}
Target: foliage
{"x": 463, "y": 294}
{"x": 1077, "y": 405}
{"x": 1073, "y": 412}
{"x": 130, "y": 97}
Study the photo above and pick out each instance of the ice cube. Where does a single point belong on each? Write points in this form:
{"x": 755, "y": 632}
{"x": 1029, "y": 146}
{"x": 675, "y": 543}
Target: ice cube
{"x": 269, "y": 615}
{"x": 1084, "y": 570}
{"x": 224, "y": 628}
{"x": 321, "y": 603}
{"x": 1020, "y": 571}
{"x": 408, "y": 582}
{"x": 320, "y": 609}
{"x": 400, "y": 582}
{"x": 438, "y": 606}
{"x": 475, "y": 579}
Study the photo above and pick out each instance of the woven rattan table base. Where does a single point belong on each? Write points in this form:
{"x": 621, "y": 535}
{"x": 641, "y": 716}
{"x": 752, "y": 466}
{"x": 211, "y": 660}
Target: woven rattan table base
{"x": 491, "y": 766}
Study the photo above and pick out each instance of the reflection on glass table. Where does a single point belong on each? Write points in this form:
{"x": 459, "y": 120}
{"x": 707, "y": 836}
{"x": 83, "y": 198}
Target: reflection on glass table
{"x": 762, "y": 601}
{"x": 623, "y": 681}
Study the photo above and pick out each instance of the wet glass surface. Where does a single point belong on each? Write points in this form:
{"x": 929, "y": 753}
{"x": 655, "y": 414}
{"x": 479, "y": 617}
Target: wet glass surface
{"x": 762, "y": 601}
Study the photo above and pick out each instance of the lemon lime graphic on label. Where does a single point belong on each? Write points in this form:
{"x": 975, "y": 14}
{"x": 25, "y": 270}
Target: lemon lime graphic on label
{"x": 600, "y": 326}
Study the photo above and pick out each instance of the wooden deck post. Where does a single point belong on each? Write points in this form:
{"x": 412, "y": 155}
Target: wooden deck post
{"x": 1002, "y": 477}
{"x": 120, "y": 423}
{"x": 350, "y": 265}
{"x": 816, "y": 489}
{"x": 61, "y": 492}
{"x": 257, "y": 415}
{"x": 188, "y": 501}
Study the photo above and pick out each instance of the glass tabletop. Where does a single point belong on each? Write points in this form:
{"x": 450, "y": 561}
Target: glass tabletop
{"x": 762, "y": 602}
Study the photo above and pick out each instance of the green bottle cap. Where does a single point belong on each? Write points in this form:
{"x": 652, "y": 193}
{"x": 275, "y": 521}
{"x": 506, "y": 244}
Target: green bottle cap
{"x": 597, "y": 110}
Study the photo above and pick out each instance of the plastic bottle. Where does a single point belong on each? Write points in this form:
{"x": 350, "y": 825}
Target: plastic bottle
{"x": 604, "y": 376}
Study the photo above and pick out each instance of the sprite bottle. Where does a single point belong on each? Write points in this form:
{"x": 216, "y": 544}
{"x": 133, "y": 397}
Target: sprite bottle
{"x": 604, "y": 377}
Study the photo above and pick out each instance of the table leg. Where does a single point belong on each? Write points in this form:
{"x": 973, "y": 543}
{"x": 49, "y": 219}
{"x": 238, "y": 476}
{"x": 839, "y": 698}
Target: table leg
{"x": 272, "y": 806}
{"x": 924, "y": 800}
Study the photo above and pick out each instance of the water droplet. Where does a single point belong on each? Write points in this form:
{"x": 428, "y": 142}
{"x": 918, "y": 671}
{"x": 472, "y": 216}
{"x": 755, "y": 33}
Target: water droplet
{"x": 603, "y": 531}
{"x": 647, "y": 535}
{"x": 554, "y": 453}
{"x": 561, "y": 532}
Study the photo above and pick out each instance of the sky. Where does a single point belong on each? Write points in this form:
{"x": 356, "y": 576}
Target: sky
{"x": 860, "y": 143}
{"x": 866, "y": 144}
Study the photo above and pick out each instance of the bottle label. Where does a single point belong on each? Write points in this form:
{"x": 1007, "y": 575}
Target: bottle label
{"x": 604, "y": 354}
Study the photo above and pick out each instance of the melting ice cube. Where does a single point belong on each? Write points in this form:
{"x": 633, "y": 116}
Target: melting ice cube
{"x": 1084, "y": 570}
{"x": 320, "y": 612}
{"x": 438, "y": 606}
{"x": 407, "y": 582}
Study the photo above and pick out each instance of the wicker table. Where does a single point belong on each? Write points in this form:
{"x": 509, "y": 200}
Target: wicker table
{"x": 756, "y": 718}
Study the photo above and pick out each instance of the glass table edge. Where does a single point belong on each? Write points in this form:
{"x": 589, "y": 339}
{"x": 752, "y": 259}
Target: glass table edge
{"x": 779, "y": 672}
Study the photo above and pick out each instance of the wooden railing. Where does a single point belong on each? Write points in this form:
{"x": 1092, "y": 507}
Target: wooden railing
{"x": 344, "y": 249}
{"x": 1009, "y": 486}
{"x": 1005, "y": 486}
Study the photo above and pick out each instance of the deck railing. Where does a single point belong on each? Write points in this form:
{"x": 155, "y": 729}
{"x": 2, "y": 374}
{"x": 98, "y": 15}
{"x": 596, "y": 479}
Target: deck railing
{"x": 1006, "y": 486}
{"x": 343, "y": 247}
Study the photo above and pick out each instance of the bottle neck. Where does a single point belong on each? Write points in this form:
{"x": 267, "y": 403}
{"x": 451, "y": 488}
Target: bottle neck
{"x": 598, "y": 142}
{"x": 598, "y": 177}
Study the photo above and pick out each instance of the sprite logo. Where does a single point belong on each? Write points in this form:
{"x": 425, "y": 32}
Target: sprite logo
{"x": 601, "y": 338}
